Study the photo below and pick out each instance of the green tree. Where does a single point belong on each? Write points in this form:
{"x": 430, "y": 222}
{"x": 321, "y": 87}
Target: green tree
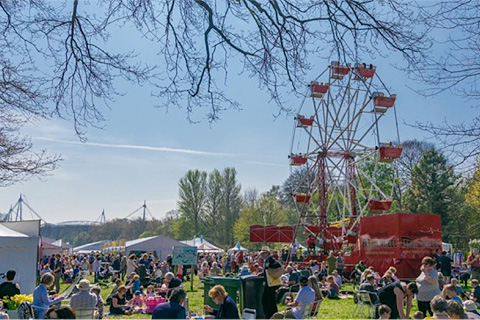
{"x": 232, "y": 201}
{"x": 193, "y": 195}
{"x": 214, "y": 218}
{"x": 432, "y": 189}
{"x": 269, "y": 211}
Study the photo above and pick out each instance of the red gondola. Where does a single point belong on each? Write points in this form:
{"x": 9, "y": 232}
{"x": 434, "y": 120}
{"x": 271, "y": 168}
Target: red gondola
{"x": 365, "y": 71}
{"x": 297, "y": 160}
{"x": 318, "y": 89}
{"x": 301, "y": 198}
{"x": 339, "y": 71}
{"x": 379, "y": 205}
{"x": 304, "y": 122}
{"x": 390, "y": 153}
{"x": 387, "y": 102}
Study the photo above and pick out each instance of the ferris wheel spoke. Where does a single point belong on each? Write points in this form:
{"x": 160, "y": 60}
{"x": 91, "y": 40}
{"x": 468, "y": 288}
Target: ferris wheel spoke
{"x": 369, "y": 129}
{"x": 355, "y": 117}
{"x": 373, "y": 184}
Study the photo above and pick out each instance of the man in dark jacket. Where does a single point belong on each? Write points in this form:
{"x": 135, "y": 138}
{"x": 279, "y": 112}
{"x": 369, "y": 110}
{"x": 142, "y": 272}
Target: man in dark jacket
{"x": 172, "y": 309}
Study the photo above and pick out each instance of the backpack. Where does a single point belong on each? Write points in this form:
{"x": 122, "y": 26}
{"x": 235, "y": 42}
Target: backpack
{"x": 25, "y": 311}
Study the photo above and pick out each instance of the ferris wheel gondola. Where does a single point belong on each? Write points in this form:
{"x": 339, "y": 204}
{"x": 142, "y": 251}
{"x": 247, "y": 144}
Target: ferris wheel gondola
{"x": 338, "y": 148}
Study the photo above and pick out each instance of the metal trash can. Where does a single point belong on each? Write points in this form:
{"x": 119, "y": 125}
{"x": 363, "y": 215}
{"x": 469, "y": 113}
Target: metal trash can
{"x": 233, "y": 287}
{"x": 252, "y": 291}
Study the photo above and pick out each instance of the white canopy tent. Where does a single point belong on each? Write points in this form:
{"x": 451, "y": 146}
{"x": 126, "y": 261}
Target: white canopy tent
{"x": 202, "y": 245}
{"x": 19, "y": 245}
{"x": 89, "y": 247}
{"x": 48, "y": 247}
{"x": 161, "y": 245}
{"x": 238, "y": 247}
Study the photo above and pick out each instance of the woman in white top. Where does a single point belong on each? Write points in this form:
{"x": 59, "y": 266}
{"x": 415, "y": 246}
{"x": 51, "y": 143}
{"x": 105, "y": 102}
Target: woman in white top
{"x": 131, "y": 264}
{"x": 427, "y": 283}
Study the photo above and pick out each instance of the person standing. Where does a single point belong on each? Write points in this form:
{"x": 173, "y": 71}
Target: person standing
{"x": 428, "y": 287}
{"x": 394, "y": 296}
{"x": 446, "y": 267}
{"x": 332, "y": 262}
{"x": 8, "y": 288}
{"x": 269, "y": 292}
{"x": 57, "y": 272}
{"x": 473, "y": 261}
{"x": 131, "y": 264}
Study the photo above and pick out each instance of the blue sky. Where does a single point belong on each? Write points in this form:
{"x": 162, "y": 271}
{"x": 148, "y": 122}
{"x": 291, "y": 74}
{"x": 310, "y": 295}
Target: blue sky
{"x": 143, "y": 151}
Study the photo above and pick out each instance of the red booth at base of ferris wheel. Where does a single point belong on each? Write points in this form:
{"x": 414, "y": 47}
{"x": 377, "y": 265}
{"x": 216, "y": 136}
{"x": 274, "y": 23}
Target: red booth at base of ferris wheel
{"x": 400, "y": 240}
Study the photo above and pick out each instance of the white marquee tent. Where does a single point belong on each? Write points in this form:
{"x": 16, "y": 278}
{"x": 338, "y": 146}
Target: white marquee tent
{"x": 19, "y": 245}
{"x": 162, "y": 246}
{"x": 203, "y": 245}
{"x": 89, "y": 247}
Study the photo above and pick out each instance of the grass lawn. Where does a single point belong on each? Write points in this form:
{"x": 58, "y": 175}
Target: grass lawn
{"x": 329, "y": 309}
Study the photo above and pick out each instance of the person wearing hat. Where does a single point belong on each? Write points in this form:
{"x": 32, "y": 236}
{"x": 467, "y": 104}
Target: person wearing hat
{"x": 471, "y": 310}
{"x": 305, "y": 296}
{"x": 269, "y": 292}
{"x": 84, "y": 302}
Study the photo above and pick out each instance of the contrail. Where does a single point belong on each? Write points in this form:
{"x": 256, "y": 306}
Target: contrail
{"x": 140, "y": 147}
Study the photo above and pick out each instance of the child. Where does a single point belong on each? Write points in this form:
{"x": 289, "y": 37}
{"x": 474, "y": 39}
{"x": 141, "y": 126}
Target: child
{"x": 333, "y": 288}
{"x": 136, "y": 283}
{"x": 450, "y": 291}
{"x": 384, "y": 311}
{"x": 418, "y": 315}
{"x": 138, "y": 302}
{"x": 150, "y": 293}
{"x": 100, "y": 304}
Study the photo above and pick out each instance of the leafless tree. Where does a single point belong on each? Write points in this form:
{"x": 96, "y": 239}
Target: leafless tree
{"x": 456, "y": 70}
{"x": 62, "y": 53}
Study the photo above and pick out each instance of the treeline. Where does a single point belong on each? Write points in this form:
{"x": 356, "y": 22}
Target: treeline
{"x": 213, "y": 205}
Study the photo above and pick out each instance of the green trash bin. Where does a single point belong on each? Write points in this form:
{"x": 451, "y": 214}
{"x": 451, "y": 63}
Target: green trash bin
{"x": 233, "y": 286}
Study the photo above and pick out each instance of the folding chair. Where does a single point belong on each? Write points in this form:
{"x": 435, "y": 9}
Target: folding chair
{"x": 365, "y": 301}
{"x": 85, "y": 313}
{"x": 315, "y": 309}
{"x": 249, "y": 313}
{"x": 307, "y": 311}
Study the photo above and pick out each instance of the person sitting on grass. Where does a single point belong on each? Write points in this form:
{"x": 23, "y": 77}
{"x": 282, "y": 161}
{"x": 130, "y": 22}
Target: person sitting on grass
{"x": 458, "y": 288}
{"x": 455, "y": 310}
{"x": 100, "y": 304}
{"x": 451, "y": 292}
{"x": 333, "y": 289}
{"x": 138, "y": 302}
{"x": 119, "y": 304}
{"x": 475, "y": 294}
{"x": 471, "y": 310}
{"x": 60, "y": 312}
{"x": 439, "y": 307}
{"x": 384, "y": 311}
{"x": 170, "y": 283}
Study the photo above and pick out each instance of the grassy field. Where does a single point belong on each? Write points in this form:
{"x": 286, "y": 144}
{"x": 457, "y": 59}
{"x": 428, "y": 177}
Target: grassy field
{"x": 329, "y": 309}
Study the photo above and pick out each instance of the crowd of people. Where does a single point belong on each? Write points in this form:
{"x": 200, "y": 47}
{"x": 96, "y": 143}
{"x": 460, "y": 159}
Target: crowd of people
{"x": 145, "y": 284}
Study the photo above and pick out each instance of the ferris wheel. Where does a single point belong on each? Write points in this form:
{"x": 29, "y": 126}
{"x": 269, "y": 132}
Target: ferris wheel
{"x": 346, "y": 169}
